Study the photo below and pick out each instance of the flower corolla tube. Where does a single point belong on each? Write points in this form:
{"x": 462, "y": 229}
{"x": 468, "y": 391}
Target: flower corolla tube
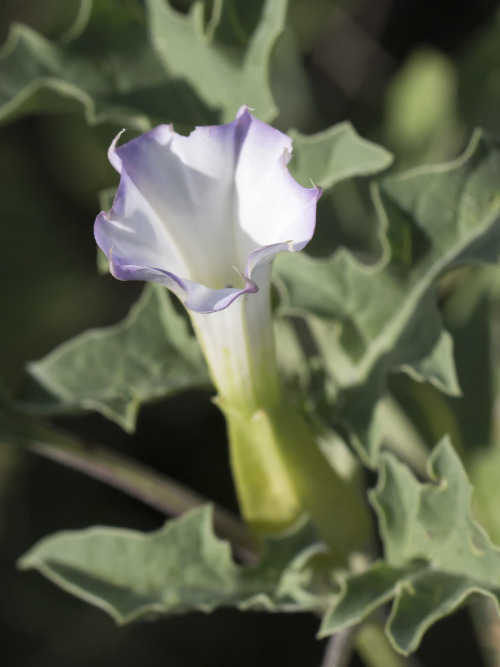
{"x": 204, "y": 215}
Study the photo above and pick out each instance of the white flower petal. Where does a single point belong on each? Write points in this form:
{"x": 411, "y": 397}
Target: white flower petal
{"x": 191, "y": 209}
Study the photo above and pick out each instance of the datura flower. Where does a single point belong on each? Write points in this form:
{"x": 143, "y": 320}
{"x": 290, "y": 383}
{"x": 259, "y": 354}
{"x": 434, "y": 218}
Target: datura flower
{"x": 204, "y": 215}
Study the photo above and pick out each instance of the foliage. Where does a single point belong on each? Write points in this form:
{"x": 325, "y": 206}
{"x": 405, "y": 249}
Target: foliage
{"x": 375, "y": 329}
{"x": 437, "y": 555}
{"x": 386, "y": 315}
{"x": 181, "y": 567}
{"x": 149, "y": 355}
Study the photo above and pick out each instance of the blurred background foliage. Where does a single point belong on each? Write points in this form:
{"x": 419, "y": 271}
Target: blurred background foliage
{"x": 413, "y": 75}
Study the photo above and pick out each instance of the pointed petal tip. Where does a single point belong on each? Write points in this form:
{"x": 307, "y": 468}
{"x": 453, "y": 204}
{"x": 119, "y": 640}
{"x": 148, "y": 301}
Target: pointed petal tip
{"x": 261, "y": 146}
{"x": 318, "y": 188}
{"x": 112, "y": 155}
{"x": 202, "y": 300}
{"x": 244, "y": 109}
{"x": 195, "y": 296}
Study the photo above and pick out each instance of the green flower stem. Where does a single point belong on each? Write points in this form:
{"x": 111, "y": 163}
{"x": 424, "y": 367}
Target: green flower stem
{"x": 375, "y": 650}
{"x": 278, "y": 469}
{"x": 280, "y": 473}
{"x": 152, "y": 488}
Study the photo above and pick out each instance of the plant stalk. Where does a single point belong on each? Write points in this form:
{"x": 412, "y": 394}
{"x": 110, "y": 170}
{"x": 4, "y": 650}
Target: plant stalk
{"x": 150, "y": 487}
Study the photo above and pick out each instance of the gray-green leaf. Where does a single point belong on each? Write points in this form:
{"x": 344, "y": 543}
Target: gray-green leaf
{"x": 437, "y": 554}
{"x": 387, "y": 317}
{"x": 150, "y": 355}
{"x": 181, "y": 567}
{"x": 331, "y": 156}
{"x": 105, "y": 69}
{"x": 223, "y": 77}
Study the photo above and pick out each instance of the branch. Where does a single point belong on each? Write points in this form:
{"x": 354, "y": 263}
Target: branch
{"x": 139, "y": 481}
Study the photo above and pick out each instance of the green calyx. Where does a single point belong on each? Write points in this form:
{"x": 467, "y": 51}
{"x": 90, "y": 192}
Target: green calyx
{"x": 280, "y": 473}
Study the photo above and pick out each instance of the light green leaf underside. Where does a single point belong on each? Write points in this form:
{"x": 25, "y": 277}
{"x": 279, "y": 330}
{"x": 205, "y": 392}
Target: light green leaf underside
{"x": 437, "y": 555}
{"x": 150, "y": 355}
{"x": 223, "y": 77}
{"x": 386, "y": 317}
{"x": 328, "y": 157}
{"x": 181, "y": 567}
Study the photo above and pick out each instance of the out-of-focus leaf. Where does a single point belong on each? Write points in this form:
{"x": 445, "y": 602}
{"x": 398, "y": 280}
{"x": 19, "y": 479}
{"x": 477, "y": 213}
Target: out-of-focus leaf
{"x": 188, "y": 71}
{"x": 468, "y": 310}
{"x": 438, "y": 556}
{"x": 224, "y": 77}
{"x": 233, "y": 21}
{"x": 149, "y": 355}
{"x": 421, "y": 122}
{"x": 331, "y": 159}
{"x": 79, "y": 19}
{"x": 348, "y": 209}
{"x": 290, "y": 85}
{"x": 181, "y": 567}
{"x": 55, "y": 19}
{"x": 331, "y": 156}
{"x": 387, "y": 318}
{"x": 438, "y": 367}
{"x": 478, "y": 77}
{"x": 106, "y": 70}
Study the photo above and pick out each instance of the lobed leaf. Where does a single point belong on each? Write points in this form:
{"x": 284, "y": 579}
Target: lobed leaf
{"x": 104, "y": 68}
{"x": 331, "y": 156}
{"x": 223, "y": 76}
{"x": 181, "y": 567}
{"x": 387, "y": 317}
{"x": 438, "y": 555}
{"x": 149, "y": 355}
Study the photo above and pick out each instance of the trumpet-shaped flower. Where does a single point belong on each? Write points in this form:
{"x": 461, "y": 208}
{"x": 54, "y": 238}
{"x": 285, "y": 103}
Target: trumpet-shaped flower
{"x": 201, "y": 214}
{"x": 204, "y": 216}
